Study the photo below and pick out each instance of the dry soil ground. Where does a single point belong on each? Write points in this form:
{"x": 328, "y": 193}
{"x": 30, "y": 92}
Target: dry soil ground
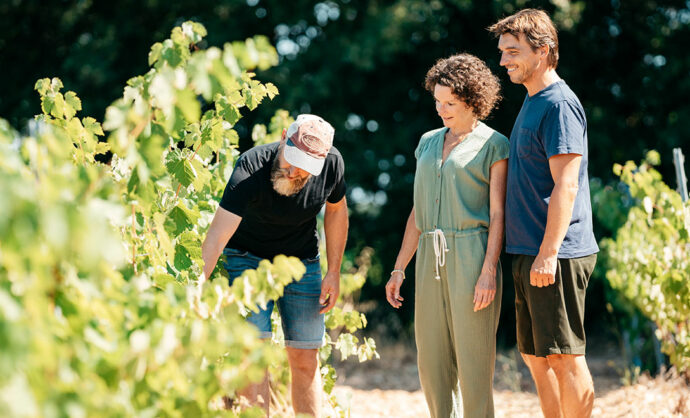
{"x": 390, "y": 388}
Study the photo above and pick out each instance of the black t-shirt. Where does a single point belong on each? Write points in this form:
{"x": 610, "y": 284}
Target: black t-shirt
{"x": 274, "y": 224}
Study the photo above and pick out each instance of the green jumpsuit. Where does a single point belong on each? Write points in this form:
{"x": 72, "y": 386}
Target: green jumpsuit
{"x": 456, "y": 346}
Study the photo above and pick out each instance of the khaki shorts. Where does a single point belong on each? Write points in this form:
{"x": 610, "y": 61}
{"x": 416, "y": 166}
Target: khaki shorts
{"x": 550, "y": 320}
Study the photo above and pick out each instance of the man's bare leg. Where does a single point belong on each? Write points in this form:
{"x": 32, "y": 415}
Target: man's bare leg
{"x": 575, "y": 383}
{"x": 547, "y": 385}
{"x": 306, "y": 381}
{"x": 257, "y": 394}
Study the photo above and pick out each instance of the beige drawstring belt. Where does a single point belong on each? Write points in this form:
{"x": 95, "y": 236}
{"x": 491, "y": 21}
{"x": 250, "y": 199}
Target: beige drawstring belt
{"x": 440, "y": 250}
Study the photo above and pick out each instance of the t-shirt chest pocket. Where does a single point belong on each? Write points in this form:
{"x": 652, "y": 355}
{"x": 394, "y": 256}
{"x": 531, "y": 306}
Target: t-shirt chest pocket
{"x": 525, "y": 142}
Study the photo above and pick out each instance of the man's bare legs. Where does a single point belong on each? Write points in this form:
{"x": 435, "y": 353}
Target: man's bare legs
{"x": 257, "y": 394}
{"x": 575, "y": 383}
{"x": 306, "y": 381}
{"x": 546, "y": 383}
{"x": 564, "y": 384}
{"x": 306, "y": 384}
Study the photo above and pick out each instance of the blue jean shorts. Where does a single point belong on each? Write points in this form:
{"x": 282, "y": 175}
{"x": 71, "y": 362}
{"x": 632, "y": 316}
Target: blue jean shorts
{"x": 303, "y": 325}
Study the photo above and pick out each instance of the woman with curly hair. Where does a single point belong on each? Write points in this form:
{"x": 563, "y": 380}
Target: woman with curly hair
{"x": 456, "y": 228}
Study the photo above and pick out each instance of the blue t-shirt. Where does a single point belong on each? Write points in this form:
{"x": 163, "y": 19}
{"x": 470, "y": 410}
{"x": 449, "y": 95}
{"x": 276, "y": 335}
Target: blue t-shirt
{"x": 551, "y": 122}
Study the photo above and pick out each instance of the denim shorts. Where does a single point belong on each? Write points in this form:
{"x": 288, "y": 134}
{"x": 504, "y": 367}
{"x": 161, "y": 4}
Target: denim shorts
{"x": 303, "y": 325}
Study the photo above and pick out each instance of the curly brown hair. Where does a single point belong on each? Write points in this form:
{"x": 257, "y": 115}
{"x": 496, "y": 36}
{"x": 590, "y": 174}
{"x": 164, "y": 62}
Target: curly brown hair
{"x": 470, "y": 80}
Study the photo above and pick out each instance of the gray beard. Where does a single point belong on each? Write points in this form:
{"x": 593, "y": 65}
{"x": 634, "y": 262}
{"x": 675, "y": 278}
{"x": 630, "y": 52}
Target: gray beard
{"x": 282, "y": 185}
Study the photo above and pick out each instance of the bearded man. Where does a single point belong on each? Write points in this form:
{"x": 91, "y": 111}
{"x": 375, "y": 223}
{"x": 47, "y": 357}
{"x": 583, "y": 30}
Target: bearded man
{"x": 269, "y": 207}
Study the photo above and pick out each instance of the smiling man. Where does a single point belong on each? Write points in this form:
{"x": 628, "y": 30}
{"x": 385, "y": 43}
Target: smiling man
{"x": 548, "y": 216}
{"x": 269, "y": 207}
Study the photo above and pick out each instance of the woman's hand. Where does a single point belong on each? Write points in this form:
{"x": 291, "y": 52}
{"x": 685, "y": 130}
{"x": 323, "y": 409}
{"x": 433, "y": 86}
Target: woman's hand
{"x": 484, "y": 290}
{"x": 407, "y": 250}
{"x": 393, "y": 289}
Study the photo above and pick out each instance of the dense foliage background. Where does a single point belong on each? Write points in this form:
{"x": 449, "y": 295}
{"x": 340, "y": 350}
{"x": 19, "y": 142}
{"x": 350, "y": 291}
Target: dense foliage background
{"x": 102, "y": 311}
{"x": 360, "y": 64}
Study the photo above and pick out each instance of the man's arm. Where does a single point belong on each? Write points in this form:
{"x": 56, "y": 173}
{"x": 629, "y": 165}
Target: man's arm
{"x": 335, "y": 223}
{"x": 565, "y": 169}
{"x": 222, "y": 228}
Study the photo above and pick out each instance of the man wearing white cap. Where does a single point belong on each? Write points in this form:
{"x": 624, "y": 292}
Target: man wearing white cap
{"x": 269, "y": 207}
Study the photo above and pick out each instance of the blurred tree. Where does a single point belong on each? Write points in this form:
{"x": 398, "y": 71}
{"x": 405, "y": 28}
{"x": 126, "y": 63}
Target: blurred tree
{"x": 361, "y": 64}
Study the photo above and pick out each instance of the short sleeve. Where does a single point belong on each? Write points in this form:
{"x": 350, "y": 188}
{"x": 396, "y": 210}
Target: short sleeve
{"x": 563, "y": 129}
{"x": 500, "y": 148}
{"x": 423, "y": 144}
{"x": 340, "y": 188}
{"x": 240, "y": 189}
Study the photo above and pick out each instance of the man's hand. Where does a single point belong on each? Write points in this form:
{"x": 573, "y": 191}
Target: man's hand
{"x": 484, "y": 290}
{"x": 330, "y": 290}
{"x": 393, "y": 290}
{"x": 543, "y": 272}
{"x": 565, "y": 169}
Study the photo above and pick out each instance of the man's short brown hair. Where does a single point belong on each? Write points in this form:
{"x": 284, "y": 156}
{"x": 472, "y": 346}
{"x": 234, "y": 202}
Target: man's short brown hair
{"x": 470, "y": 80}
{"x": 537, "y": 27}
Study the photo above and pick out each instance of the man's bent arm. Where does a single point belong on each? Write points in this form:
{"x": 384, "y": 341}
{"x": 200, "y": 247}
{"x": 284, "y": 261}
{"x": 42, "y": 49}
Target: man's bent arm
{"x": 335, "y": 223}
{"x": 222, "y": 228}
{"x": 565, "y": 169}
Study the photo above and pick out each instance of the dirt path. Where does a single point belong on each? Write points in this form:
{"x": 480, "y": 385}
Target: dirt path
{"x": 390, "y": 388}
{"x": 652, "y": 398}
